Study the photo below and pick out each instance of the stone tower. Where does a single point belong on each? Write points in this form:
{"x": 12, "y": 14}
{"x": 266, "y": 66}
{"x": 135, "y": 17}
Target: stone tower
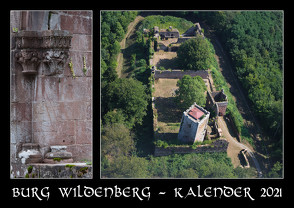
{"x": 193, "y": 124}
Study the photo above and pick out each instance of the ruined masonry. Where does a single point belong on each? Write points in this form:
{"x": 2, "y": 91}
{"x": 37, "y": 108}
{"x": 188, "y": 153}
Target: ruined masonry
{"x": 51, "y": 93}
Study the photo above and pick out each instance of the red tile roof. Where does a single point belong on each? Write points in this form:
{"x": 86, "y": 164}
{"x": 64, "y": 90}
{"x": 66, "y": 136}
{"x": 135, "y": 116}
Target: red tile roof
{"x": 196, "y": 113}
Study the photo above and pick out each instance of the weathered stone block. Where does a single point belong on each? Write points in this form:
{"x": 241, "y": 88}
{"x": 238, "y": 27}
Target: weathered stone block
{"x": 81, "y": 42}
{"x": 73, "y": 110}
{"x": 63, "y": 140}
{"x": 45, "y": 126}
{"x": 54, "y": 161}
{"x": 45, "y": 111}
{"x": 13, "y": 152}
{"x": 81, "y": 151}
{"x": 21, "y": 111}
{"x": 47, "y": 88}
{"x": 21, "y": 131}
{"x": 15, "y": 17}
{"x": 62, "y": 155}
{"x": 89, "y": 111}
{"x": 29, "y": 155}
{"x": 77, "y": 89}
{"x": 76, "y": 24}
{"x": 66, "y": 128}
{"x": 82, "y": 88}
{"x": 38, "y": 20}
{"x": 83, "y": 132}
{"x": 66, "y": 110}
{"x": 44, "y": 138}
{"x": 58, "y": 148}
{"x": 21, "y": 88}
{"x": 66, "y": 89}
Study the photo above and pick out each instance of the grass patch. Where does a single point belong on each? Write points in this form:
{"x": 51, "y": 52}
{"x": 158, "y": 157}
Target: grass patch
{"x": 69, "y": 166}
{"x": 163, "y": 22}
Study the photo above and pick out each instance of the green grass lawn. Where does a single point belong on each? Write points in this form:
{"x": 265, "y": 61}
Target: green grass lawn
{"x": 163, "y": 22}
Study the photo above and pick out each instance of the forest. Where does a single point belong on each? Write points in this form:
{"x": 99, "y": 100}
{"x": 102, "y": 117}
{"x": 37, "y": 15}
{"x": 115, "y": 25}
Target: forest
{"x": 254, "y": 43}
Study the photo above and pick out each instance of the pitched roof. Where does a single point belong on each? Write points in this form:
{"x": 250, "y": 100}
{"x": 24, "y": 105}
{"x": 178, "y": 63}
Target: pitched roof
{"x": 196, "y": 113}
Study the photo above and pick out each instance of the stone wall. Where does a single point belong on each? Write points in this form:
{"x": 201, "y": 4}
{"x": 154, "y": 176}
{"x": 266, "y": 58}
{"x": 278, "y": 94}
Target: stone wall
{"x": 212, "y": 102}
{"x": 73, "y": 170}
{"x": 220, "y": 145}
{"x": 53, "y": 109}
{"x": 233, "y": 125}
{"x": 185, "y": 38}
{"x": 178, "y": 74}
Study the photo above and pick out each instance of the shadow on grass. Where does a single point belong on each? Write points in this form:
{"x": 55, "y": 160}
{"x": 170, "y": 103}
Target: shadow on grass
{"x": 168, "y": 63}
{"x": 167, "y": 110}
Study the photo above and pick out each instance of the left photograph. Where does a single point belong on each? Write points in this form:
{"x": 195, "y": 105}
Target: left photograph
{"x": 51, "y": 94}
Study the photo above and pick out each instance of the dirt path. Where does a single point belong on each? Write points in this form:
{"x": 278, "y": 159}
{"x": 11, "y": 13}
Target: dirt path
{"x": 242, "y": 105}
{"x": 235, "y": 147}
{"x": 123, "y": 44}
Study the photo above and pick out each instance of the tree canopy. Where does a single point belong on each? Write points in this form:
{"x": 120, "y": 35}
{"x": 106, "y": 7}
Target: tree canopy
{"x": 254, "y": 42}
{"x": 128, "y": 95}
{"x": 194, "y": 54}
{"x": 191, "y": 89}
{"x": 116, "y": 141}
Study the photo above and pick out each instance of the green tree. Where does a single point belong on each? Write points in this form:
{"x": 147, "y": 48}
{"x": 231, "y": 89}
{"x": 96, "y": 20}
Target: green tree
{"x": 276, "y": 171}
{"x": 194, "y": 54}
{"x": 158, "y": 166}
{"x": 191, "y": 89}
{"x": 127, "y": 167}
{"x": 187, "y": 173}
{"x": 245, "y": 172}
{"x": 115, "y": 116}
{"x": 116, "y": 141}
{"x": 119, "y": 31}
{"x": 130, "y": 96}
{"x": 115, "y": 48}
{"x": 103, "y": 67}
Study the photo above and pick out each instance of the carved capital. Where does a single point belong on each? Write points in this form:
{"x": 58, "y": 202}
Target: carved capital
{"x": 55, "y": 61}
{"x": 29, "y": 60}
{"x": 50, "y": 47}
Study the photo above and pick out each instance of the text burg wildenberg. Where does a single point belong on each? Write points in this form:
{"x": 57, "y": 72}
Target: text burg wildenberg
{"x": 140, "y": 193}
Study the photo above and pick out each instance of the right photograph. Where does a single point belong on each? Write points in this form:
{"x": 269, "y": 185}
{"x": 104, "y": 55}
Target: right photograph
{"x": 192, "y": 94}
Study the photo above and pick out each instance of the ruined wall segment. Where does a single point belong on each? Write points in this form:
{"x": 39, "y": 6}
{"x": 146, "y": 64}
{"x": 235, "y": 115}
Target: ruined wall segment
{"x": 220, "y": 145}
{"x": 217, "y": 101}
{"x": 178, "y": 74}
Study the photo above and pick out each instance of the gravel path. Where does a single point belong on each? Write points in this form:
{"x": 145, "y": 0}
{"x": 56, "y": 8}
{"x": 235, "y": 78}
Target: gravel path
{"x": 131, "y": 27}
